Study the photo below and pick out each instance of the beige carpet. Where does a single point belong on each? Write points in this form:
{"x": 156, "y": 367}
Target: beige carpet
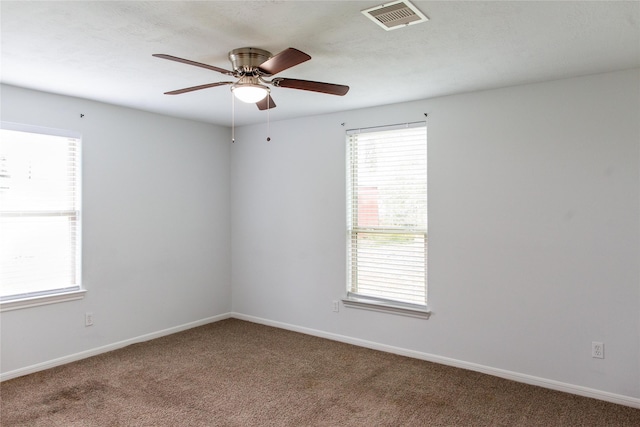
{"x": 236, "y": 373}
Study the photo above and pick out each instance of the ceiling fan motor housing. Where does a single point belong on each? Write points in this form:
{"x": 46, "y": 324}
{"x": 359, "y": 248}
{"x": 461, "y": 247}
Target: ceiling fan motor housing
{"x": 248, "y": 59}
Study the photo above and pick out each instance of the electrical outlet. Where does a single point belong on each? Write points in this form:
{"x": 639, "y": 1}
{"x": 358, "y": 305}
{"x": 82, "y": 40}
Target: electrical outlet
{"x": 336, "y": 306}
{"x": 597, "y": 350}
{"x": 88, "y": 319}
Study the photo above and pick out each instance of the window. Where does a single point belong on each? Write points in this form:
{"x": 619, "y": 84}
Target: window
{"x": 387, "y": 216}
{"x": 40, "y": 215}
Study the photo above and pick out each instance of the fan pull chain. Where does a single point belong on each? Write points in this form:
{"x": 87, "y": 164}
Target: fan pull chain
{"x": 233, "y": 119}
{"x": 268, "y": 118}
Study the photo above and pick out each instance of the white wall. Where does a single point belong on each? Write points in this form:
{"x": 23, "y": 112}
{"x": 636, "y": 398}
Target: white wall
{"x": 534, "y": 235}
{"x": 533, "y": 229}
{"x": 156, "y": 232}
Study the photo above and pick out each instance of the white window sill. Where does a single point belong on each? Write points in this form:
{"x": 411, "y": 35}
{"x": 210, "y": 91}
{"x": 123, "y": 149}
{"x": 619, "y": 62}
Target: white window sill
{"x": 385, "y": 307}
{"x": 41, "y": 300}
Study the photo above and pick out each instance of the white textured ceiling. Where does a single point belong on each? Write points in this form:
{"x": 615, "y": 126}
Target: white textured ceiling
{"x": 102, "y": 50}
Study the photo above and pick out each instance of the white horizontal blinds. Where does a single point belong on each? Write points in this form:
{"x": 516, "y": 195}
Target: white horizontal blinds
{"x": 387, "y": 218}
{"x": 39, "y": 213}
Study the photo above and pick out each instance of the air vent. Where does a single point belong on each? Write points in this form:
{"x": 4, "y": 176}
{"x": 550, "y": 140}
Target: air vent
{"x": 396, "y": 14}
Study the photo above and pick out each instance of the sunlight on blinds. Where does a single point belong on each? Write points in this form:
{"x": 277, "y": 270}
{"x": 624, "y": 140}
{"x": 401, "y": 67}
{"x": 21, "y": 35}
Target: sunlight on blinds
{"x": 387, "y": 213}
{"x": 40, "y": 213}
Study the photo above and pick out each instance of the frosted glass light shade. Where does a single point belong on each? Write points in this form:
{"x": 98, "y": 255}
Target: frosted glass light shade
{"x": 250, "y": 93}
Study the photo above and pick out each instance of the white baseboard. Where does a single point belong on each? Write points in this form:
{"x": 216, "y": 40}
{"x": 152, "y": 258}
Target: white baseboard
{"x": 110, "y": 347}
{"x": 510, "y": 375}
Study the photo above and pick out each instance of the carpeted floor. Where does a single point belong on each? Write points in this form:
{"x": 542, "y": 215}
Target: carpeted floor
{"x": 236, "y": 373}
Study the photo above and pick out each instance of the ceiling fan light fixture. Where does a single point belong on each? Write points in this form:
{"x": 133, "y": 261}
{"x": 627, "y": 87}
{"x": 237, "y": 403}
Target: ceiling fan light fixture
{"x": 250, "y": 92}
{"x": 250, "y": 67}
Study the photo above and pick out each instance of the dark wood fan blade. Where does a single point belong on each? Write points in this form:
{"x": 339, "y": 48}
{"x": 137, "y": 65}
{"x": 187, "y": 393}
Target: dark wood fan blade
{"x": 191, "y": 89}
{"x": 266, "y": 103}
{"x": 283, "y": 60}
{"x": 330, "y": 88}
{"x": 189, "y": 62}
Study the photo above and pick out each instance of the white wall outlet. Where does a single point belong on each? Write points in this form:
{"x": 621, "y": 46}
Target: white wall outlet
{"x": 336, "y": 306}
{"x": 88, "y": 319}
{"x": 597, "y": 350}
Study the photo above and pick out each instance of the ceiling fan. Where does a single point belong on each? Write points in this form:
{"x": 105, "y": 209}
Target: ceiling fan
{"x": 252, "y": 67}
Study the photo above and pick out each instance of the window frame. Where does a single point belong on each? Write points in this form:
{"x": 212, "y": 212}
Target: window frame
{"x": 74, "y": 289}
{"x": 372, "y": 302}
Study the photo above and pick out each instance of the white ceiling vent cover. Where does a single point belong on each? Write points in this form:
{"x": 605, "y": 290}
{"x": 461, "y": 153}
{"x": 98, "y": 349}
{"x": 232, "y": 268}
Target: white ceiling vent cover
{"x": 395, "y": 14}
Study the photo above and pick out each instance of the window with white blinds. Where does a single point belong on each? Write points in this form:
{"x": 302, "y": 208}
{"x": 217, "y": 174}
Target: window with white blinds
{"x": 39, "y": 212}
{"x": 387, "y": 214}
